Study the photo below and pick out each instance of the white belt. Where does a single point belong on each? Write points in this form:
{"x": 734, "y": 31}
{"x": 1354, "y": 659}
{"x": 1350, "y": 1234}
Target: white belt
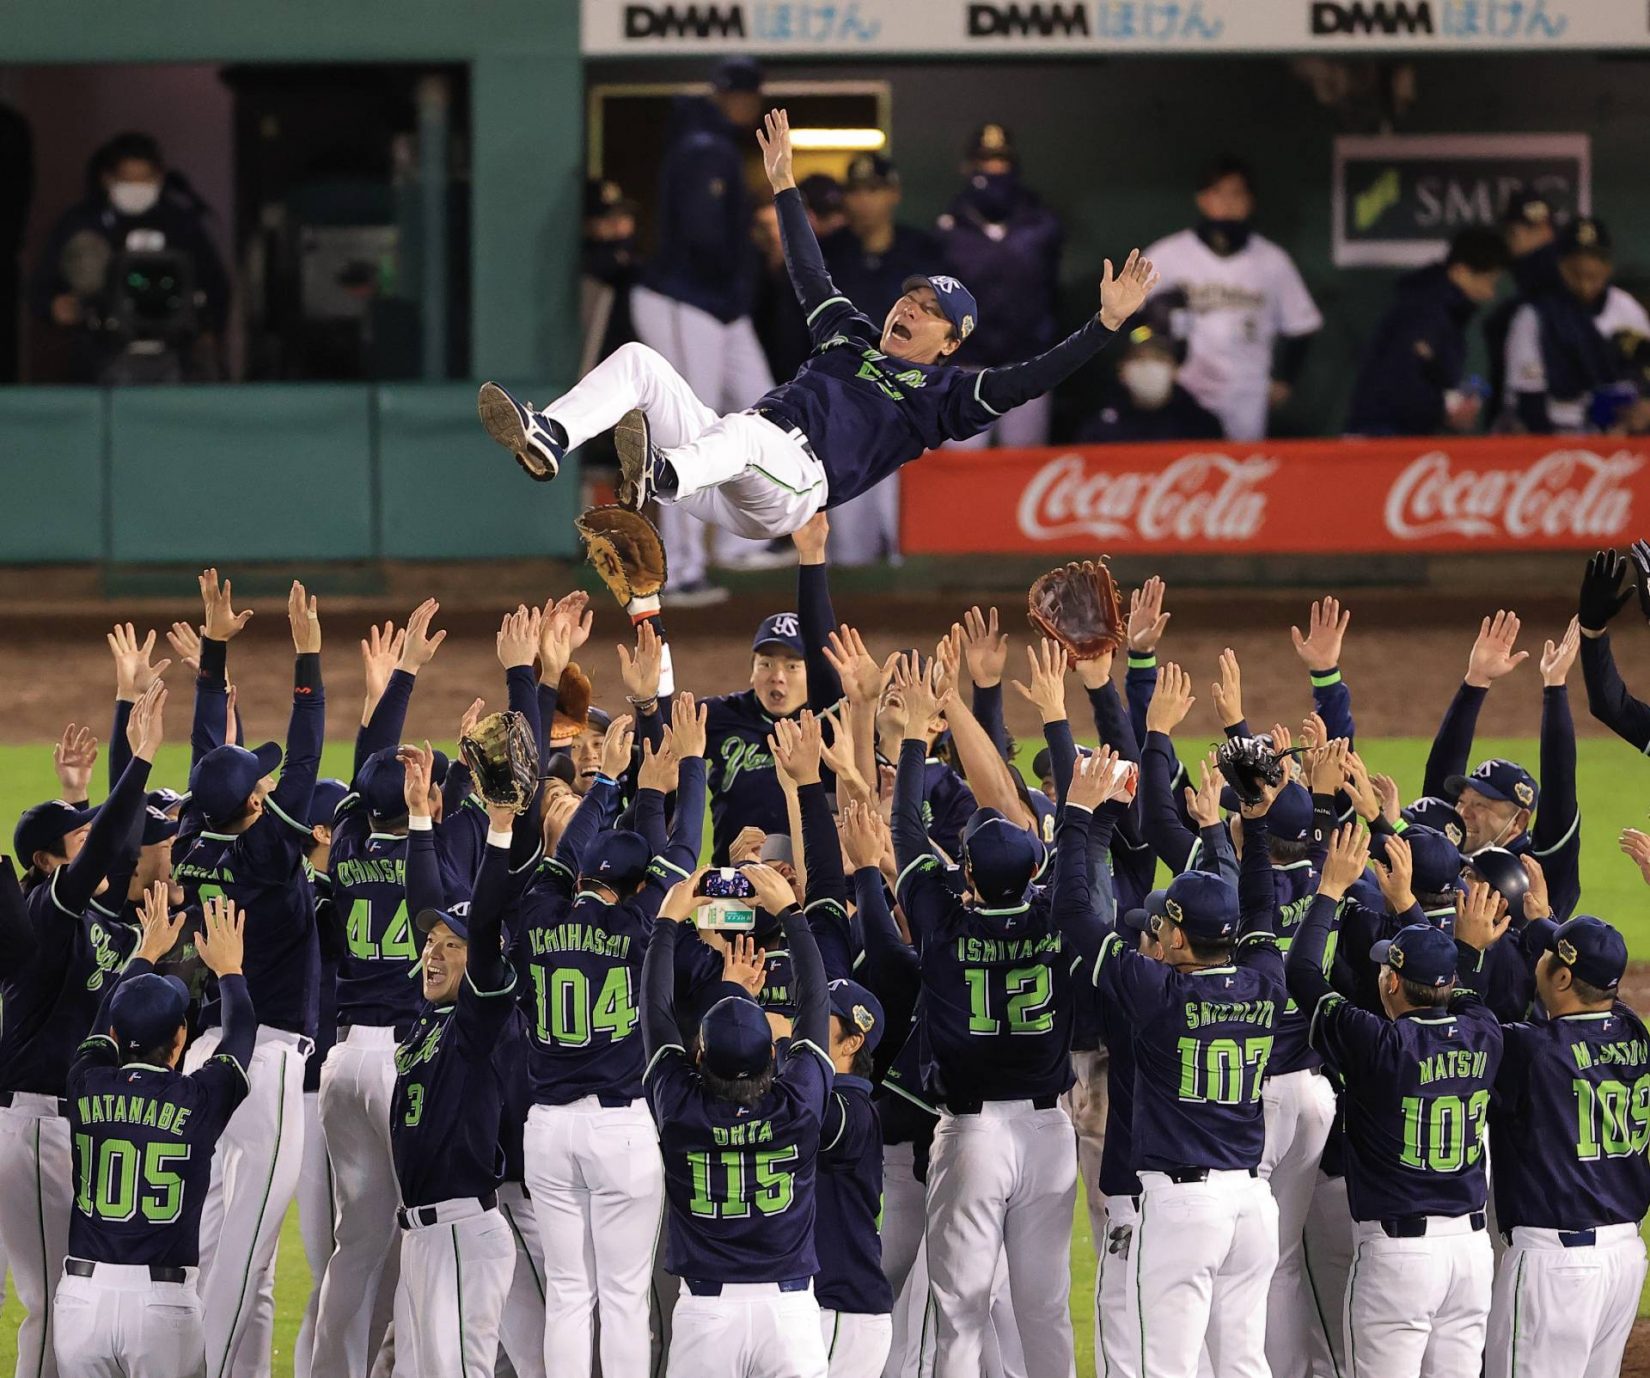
{"x": 1604, "y": 1237}
{"x": 370, "y": 1036}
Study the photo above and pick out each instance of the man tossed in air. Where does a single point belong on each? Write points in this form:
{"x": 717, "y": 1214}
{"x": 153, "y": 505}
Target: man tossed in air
{"x": 867, "y": 400}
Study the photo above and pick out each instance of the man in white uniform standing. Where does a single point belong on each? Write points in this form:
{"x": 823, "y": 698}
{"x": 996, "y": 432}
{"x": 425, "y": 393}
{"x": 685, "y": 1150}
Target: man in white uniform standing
{"x": 1249, "y": 315}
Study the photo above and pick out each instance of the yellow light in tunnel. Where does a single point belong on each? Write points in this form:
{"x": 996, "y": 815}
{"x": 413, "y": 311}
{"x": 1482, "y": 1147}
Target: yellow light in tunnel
{"x": 844, "y": 140}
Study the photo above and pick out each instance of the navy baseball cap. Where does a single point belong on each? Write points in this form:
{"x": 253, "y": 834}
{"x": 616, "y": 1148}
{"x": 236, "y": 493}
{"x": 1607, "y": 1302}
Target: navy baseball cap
{"x": 157, "y": 827}
{"x": 734, "y": 1039}
{"x": 618, "y": 858}
{"x": 992, "y": 141}
{"x": 382, "y": 782}
{"x": 1585, "y": 235}
{"x": 164, "y": 799}
{"x": 147, "y": 1010}
{"x": 1527, "y": 207}
{"x": 41, "y": 828}
{"x": 1002, "y": 857}
{"x": 821, "y": 193}
{"x": 457, "y": 918}
{"x": 872, "y": 170}
{"x": 324, "y": 802}
{"x": 1289, "y": 818}
{"x": 737, "y": 74}
{"x": 1432, "y": 812}
{"x": 1042, "y": 764}
{"x": 860, "y": 1008}
{"x": 1593, "y": 950}
{"x": 1419, "y": 953}
{"x": 1434, "y": 859}
{"x": 1502, "y": 871}
{"x": 1203, "y": 904}
{"x": 781, "y": 629}
{"x": 1155, "y": 906}
{"x": 957, "y": 303}
{"x": 223, "y": 779}
{"x": 1497, "y": 779}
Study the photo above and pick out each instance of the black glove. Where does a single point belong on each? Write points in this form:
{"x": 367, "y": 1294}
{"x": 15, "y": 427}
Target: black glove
{"x": 1602, "y": 594}
{"x": 1250, "y": 767}
{"x": 1641, "y": 557}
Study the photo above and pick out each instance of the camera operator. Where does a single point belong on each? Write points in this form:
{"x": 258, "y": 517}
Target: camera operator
{"x": 132, "y": 275}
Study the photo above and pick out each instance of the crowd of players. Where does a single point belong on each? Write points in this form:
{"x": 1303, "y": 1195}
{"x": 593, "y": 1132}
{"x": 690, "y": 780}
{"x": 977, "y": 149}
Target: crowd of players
{"x": 533, "y": 1120}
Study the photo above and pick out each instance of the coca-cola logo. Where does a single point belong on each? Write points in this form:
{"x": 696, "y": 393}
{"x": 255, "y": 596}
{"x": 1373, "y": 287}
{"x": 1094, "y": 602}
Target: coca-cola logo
{"x": 1566, "y": 493}
{"x": 1198, "y": 498}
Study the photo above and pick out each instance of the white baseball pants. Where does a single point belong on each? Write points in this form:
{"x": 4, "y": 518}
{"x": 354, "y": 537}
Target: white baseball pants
{"x": 521, "y": 1328}
{"x": 1087, "y": 1103}
{"x": 1116, "y": 1342}
{"x": 598, "y": 1188}
{"x": 856, "y": 1344}
{"x": 904, "y": 1215}
{"x": 1299, "y": 1108}
{"x": 1004, "y": 1179}
{"x": 357, "y": 1086}
{"x": 752, "y": 1330}
{"x": 723, "y": 363}
{"x": 254, "y": 1180}
{"x": 36, "y": 1195}
{"x": 119, "y": 1324}
{"x": 1326, "y": 1262}
{"x": 1199, "y": 1267}
{"x": 455, "y": 1277}
{"x": 1418, "y": 1306}
{"x": 1558, "y": 1310}
{"x": 315, "y": 1224}
{"x": 738, "y": 471}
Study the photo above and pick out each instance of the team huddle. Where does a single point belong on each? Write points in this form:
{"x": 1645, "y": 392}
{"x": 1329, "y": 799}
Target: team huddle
{"x": 551, "y": 1093}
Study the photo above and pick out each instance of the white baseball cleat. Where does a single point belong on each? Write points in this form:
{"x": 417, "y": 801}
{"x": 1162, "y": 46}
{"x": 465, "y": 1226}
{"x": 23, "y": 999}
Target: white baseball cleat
{"x": 521, "y": 430}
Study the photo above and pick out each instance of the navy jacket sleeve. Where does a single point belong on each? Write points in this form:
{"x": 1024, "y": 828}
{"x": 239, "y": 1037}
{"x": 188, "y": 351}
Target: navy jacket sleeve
{"x": 647, "y": 816}
{"x": 211, "y": 699}
{"x": 1112, "y": 722}
{"x": 488, "y": 973}
{"x": 821, "y": 849}
{"x": 687, "y": 827}
{"x": 1139, "y": 684}
{"x": 813, "y": 1000}
{"x": 383, "y": 727}
{"x": 240, "y": 1020}
{"x": 659, "y": 1029}
{"x": 1332, "y": 701}
{"x": 816, "y": 620}
{"x": 424, "y": 888}
{"x": 1303, "y": 970}
{"x": 988, "y": 712}
{"x": 1607, "y": 697}
{"x": 826, "y": 310}
{"x": 1452, "y": 747}
{"x": 1003, "y": 388}
{"x": 1257, "y": 882}
{"x": 120, "y": 750}
{"x": 1073, "y": 910}
{"x": 74, "y": 885}
{"x": 1556, "y": 837}
{"x": 290, "y": 798}
{"x": 1215, "y": 853}
{"x": 1160, "y": 823}
{"x": 910, "y": 837}
{"x": 599, "y": 804}
{"x": 1062, "y": 754}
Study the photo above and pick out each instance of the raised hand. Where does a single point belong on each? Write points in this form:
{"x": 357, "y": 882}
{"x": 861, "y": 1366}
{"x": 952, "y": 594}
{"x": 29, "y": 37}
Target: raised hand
{"x": 418, "y": 764}
{"x": 133, "y": 672}
{"x": 518, "y": 636}
{"x": 745, "y": 964}
{"x": 1640, "y": 553}
{"x": 640, "y": 672}
{"x": 1121, "y": 296}
{"x": 380, "y": 651}
{"x": 810, "y": 539}
{"x": 1325, "y": 766}
{"x": 838, "y": 754}
{"x": 1396, "y": 875}
{"x": 73, "y": 757}
{"x": 774, "y": 139}
{"x": 221, "y": 942}
{"x": 1171, "y": 701}
{"x": 864, "y": 836}
{"x": 1556, "y": 660}
{"x": 1387, "y": 788}
{"x": 1637, "y": 846}
{"x": 985, "y": 647}
{"x": 1481, "y": 916}
{"x": 1348, "y": 855}
{"x": 1320, "y": 648}
{"x": 681, "y": 899}
{"x": 747, "y": 846}
{"x": 773, "y": 891}
{"x": 861, "y": 676}
{"x": 1228, "y": 689}
{"x": 472, "y": 715}
{"x": 1203, "y": 803}
{"x": 222, "y": 621}
{"x": 688, "y": 725}
{"x": 303, "y": 613}
{"x": 616, "y": 747}
{"x": 1538, "y": 904}
{"x": 146, "y": 729}
{"x": 921, "y": 693}
{"x": 161, "y": 930}
{"x": 417, "y": 646}
{"x": 1492, "y": 653}
{"x": 1603, "y": 593}
{"x": 186, "y": 644}
{"x": 1092, "y": 780}
{"x": 1313, "y": 731}
{"x": 797, "y": 743}
{"x": 1147, "y": 620}
{"x": 1047, "y": 691}
{"x": 659, "y": 769}
{"x": 1366, "y": 799}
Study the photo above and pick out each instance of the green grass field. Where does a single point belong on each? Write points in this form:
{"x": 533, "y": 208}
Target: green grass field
{"x": 1613, "y": 796}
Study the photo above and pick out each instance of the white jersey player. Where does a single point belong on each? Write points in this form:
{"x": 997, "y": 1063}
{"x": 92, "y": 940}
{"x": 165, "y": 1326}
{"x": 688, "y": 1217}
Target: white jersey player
{"x": 1248, "y": 312}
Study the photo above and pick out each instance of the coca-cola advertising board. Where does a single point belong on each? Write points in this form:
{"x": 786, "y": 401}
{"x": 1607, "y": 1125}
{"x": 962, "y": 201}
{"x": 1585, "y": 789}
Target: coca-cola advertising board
{"x": 1281, "y": 497}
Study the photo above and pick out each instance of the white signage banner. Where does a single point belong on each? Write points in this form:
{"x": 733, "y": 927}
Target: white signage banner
{"x": 845, "y": 28}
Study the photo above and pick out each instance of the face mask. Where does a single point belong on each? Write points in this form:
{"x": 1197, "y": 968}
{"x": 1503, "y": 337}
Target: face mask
{"x": 994, "y": 193}
{"x": 134, "y": 198}
{"x": 1224, "y": 237}
{"x": 1149, "y": 381}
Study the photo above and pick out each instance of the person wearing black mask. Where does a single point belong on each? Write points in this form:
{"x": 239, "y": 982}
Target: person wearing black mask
{"x": 1569, "y": 348}
{"x": 1145, "y": 402}
{"x": 1409, "y": 382}
{"x": 1249, "y": 311}
{"x": 998, "y": 233}
{"x": 132, "y": 273}
{"x": 1531, "y": 235}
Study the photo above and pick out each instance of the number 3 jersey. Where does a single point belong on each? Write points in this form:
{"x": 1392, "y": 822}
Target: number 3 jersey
{"x": 1570, "y": 1122}
{"x": 144, "y": 1137}
{"x": 740, "y": 1182}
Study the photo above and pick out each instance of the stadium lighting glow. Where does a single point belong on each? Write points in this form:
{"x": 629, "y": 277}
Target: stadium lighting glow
{"x": 849, "y": 140}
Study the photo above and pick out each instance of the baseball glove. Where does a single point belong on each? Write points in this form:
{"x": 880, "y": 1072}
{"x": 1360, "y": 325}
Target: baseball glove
{"x": 1078, "y": 606}
{"x": 1250, "y": 766}
{"x": 503, "y": 758}
{"x": 625, "y": 549}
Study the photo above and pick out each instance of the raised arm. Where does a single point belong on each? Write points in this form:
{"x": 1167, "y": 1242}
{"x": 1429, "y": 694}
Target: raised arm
{"x": 1320, "y": 651}
{"x": 488, "y": 973}
{"x": 1602, "y": 597}
{"x": 659, "y": 1028}
{"x": 1304, "y": 968}
{"x": 823, "y": 306}
{"x": 423, "y": 877}
{"x": 813, "y": 1004}
{"x": 1555, "y": 839}
{"x": 1160, "y": 822}
{"x": 291, "y": 797}
{"x": 133, "y": 676}
{"x": 1492, "y": 656}
{"x": 73, "y": 886}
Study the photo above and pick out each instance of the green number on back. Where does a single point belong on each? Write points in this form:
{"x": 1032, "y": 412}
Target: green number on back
{"x": 1443, "y": 1133}
{"x": 1028, "y": 990}
{"x": 110, "y": 1190}
{"x": 1221, "y": 1071}
{"x": 1612, "y": 1119}
{"x": 566, "y": 1015}
{"x": 398, "y": 938}
{"x": 774, "y": 1180}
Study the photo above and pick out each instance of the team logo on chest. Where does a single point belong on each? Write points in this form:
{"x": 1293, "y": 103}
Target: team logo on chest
{"x": 420, "y": 1048}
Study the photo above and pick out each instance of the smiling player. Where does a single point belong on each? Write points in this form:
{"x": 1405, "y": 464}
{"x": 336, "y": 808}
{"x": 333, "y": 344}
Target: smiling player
{"x": 869, "y": 398}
